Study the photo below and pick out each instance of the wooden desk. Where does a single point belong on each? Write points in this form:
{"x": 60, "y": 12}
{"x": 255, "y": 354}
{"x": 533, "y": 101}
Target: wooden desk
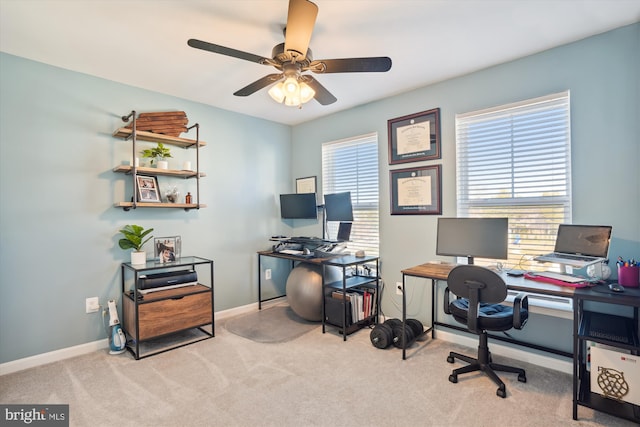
{"x": 437, "y": 272}
{"x": 293, "y": 258}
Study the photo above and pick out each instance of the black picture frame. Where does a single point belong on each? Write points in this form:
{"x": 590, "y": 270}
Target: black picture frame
{"x": 148, "y": 189}
{"x": 416, "y": 191}
{"x": 415, "y": 137}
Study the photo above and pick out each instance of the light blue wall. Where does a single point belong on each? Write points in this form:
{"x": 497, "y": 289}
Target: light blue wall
{"x": 602, "y": 74}
{"x": 58, "y": 229}
{"x": 58, "y": 226}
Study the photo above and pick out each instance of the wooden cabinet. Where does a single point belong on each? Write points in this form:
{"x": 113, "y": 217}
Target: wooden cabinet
{"x": 149, "y": 316}
{"x": 128, "y": 134}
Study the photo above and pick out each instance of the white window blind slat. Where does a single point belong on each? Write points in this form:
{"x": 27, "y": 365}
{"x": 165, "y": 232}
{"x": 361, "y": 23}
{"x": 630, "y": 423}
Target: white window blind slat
{"x": 515, "y": 161}
{"x": 352, "y": 165}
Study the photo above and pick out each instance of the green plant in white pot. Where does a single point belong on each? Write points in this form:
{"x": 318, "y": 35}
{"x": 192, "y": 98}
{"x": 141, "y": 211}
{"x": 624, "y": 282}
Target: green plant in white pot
{"x": 158, "y": 153}
{"x": 135, "y": 237}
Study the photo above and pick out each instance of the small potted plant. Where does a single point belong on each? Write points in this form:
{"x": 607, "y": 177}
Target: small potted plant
{"x": 134, "y": 238}
{"x": 158, "y": 153}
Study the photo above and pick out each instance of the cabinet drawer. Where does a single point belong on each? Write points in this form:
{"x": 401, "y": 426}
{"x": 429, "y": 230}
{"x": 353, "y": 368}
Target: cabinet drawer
{"x": 172, "y": 315}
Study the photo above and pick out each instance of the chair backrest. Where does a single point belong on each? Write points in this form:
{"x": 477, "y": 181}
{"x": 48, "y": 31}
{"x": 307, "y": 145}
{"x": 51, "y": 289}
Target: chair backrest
{"x": 477, "y": 284}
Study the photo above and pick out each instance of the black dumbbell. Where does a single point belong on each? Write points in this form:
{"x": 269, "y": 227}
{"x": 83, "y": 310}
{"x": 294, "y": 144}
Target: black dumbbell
{"x": 382, "y": 334}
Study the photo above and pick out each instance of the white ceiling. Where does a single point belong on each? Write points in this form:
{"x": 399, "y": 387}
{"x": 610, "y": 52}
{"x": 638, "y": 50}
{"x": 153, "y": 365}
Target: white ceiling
{"x": 143, "y": 43}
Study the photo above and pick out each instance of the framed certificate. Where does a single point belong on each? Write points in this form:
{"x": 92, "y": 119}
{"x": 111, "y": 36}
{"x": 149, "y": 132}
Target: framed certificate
{"x": 415, "y": 137}
{"x": 416, "y": 191}
{"x": 306, "y": 185}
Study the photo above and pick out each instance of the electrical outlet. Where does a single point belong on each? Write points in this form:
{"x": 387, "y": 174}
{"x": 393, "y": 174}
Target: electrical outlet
{"x": 92, "y": 305}
{"x": 398, "y": 288}
{"x": 267, "y": 274}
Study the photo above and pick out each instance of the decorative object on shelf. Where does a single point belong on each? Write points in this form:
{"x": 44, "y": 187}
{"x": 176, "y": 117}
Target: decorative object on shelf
{"x": 172, "y": 194}
{"x": 171, "y": 123}
{"x": 186, "y": 166}
{"x": 167, "y": 249}
{"x": 148, "y": 190}
{"x": 415, "y": 137}
{"x": 135, "y": 237}
{"x": 188, "y": 198}
{"x": 416, "y": 191}
{"x": 158, "y": 153}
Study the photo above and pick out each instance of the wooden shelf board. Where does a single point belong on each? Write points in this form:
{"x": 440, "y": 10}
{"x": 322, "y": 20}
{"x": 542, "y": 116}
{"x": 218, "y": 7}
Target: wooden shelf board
{"x": 160, "y": 205}
{"x": 155, "y": 171}
{"x": 157, "y": 137}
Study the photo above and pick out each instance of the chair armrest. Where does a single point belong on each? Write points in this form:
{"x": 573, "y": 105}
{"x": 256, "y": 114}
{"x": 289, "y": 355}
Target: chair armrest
{"x": 446, "y": 301}
{"x": 521, "y": 301}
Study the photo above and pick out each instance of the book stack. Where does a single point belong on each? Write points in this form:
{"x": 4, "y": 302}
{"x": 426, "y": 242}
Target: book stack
{"x": 171, "y": 123}
{"x": 362, "y": 302}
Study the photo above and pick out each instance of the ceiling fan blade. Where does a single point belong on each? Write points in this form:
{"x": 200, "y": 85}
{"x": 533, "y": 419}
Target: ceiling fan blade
{"x": 210, "y": 47}
{"x": 323, "y": 96}
{"x": 378, "y": 64}
{"x": 300, "y": 22}
{"x": 258, "y": 84}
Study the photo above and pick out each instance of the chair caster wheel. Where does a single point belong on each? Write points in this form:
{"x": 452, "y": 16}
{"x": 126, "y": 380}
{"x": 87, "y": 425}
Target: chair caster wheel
{"x": 450, "y": 359}
{"x": 453, "y": 378}
{"x": 522, "y": 378}
{"x": 502, "y": 392}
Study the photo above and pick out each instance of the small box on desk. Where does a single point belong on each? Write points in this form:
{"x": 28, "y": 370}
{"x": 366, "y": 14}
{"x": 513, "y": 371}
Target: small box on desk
{"x": 614, "y": 374}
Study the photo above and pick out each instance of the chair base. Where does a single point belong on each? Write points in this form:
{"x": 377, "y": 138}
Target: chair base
{"x": 483, "y": 363}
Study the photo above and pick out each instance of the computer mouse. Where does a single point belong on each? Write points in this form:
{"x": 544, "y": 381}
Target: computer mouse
{"x": 306, "y": 251}
{"x": 616, "y": 287}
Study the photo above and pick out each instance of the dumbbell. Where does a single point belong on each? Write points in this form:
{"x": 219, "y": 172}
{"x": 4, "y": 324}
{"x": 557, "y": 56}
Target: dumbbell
{"x": 382, "y": 334}
{"x": 412, "y": 330}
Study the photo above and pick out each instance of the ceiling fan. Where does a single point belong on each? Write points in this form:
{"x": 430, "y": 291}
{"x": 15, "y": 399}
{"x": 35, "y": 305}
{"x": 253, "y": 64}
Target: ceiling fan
{"x": 293, "y": 57}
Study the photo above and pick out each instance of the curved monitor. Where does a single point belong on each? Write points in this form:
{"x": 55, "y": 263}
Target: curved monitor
{"x": 337, "y": 207}
{"x": 473, "y": 237}
{"x": 298, "y": 206}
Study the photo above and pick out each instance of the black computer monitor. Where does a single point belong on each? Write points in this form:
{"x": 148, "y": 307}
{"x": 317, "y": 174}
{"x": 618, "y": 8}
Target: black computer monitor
{"x": 337, "y": 207}
{"x": 298, "y": 206}
{"x": 473, "y": 237}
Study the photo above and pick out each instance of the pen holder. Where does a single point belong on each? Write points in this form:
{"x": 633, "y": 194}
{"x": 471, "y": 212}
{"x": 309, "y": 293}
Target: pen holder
{"x": 629, "y": 276}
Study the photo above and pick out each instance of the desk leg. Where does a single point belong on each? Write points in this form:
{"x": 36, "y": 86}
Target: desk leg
{"x": 577, "y": 309}
{"x": 404, "y": 317}
{"x": 259, "y": 282}
{"x": 434, "y": 284}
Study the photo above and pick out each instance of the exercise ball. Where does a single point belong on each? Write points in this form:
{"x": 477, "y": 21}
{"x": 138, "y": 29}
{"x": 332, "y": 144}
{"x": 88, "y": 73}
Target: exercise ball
{"x": 304, "y": 289}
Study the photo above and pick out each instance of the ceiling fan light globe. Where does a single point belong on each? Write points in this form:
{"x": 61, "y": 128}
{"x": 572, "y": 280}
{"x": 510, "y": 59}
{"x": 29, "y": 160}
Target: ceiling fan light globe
{"x": 306, "y": 93}
{"x": 291, "y": 87}
{"x": 292, "y": 101}
{"x": 277, "y": 92}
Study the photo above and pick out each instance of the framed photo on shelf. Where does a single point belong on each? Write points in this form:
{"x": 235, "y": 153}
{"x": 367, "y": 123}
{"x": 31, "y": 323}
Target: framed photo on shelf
{"x": 306, "y": 185}
{"x": 148, "y": 189}
{"x": 415, "y": 137}
{"x": 416, "y": 191}
{"x": 167, "y": 249}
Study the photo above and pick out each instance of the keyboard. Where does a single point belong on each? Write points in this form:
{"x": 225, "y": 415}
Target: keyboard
{"x": 290, "y": 252}
{"x": 559, "y": 276}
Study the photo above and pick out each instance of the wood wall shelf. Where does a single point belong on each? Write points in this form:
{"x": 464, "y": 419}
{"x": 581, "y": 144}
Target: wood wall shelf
{"x": 185, "y": 206}
{"x": 126, "y": 133}
{"x": 155, "y": 171}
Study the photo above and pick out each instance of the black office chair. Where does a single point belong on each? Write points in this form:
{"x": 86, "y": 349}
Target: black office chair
{"x": 479, "y": 291}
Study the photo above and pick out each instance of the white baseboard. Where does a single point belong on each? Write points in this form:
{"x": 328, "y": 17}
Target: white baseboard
{"x": 78, "y": 350}
{"x": 52, "y": 356}
{"x": 529, "y": 356}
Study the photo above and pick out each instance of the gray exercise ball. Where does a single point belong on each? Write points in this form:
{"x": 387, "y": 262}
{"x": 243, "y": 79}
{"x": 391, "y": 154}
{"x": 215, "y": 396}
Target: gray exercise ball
{"x": 304, "y": 289}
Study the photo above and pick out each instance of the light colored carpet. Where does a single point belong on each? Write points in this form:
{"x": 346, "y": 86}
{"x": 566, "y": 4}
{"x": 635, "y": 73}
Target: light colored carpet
{"x": 314, "y": 380}
{"x": 274, "y": 324}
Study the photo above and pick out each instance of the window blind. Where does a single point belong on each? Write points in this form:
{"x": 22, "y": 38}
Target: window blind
{"x": 515, "y": 161}
{"x": 352, "y": 165}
